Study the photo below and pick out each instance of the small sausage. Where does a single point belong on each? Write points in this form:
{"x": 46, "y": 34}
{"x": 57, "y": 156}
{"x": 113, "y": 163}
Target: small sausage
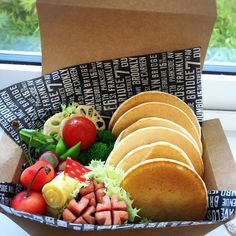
{"x": 86, "y": 190}
{"x": 92, "y": 199}
{"x": 98, "y": 186}
{"x": 87, "y": 215}
{"x": 117, "y": 205}
{"x": 103, "y": 217}
{"x": 100, "y": 193}
{"x": 67, "y": 215}
{"x": 105, "y": 205}
{"x": 80, "y": 220}
{"x": 77, "y": 208}
{"x": 119, "y": 217}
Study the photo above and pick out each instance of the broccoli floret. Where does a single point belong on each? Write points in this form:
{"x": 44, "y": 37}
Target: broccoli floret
{"x": 105, "y": 136}
{"x": 98, "y": 151}
{"x": 110, "y": 147}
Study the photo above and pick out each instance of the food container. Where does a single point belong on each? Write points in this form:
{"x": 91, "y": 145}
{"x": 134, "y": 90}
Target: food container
{"x": 75, "y": 32}
{"x": 81, "y": 31}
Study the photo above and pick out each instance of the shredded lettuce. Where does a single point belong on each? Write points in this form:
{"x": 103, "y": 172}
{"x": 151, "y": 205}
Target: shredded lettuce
{"x": 112, "y": 177}
{"x": 106, "y": 174}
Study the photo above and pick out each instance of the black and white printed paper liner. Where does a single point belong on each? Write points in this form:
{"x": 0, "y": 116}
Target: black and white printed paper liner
{"x": 221, "y": 208}
{"x": 104, "y": 85}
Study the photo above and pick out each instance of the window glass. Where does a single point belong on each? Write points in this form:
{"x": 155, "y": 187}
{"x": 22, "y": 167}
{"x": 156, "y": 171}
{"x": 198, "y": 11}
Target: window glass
{"x": 19, "y": 30}
{"x": 222, "y": 47}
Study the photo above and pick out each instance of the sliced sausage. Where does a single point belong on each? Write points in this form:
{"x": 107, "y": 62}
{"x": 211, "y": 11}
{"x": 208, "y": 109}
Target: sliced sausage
{"x": 88, "y": 215}
{"x": 80, "y": 220}
{"x": 92, "y": 199}
{"x": 117, "y": 205}
{"x": 119, "y": 217}
{"x": 78, "y": 208}
{"x": 103, "y": 217}
{"x": 68, "y": 215}
{"x": 100, "y": 193}
{"x": 86, "y": 190}
{"x": 98, "y": 186}
{"x": 105, "y": 205}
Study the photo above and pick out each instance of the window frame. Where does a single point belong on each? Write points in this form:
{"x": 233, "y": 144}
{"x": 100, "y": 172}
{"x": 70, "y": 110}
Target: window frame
{"x": 35, "y": 58}
{"x": 20, "y": 57}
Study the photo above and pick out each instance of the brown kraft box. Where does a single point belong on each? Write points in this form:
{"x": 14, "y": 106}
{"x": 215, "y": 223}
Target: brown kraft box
{"x": 74, "y": 32}
{"x": 81, "y": 31}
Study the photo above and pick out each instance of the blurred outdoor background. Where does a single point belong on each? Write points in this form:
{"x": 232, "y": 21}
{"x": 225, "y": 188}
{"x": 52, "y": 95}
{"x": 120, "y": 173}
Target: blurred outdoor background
{"x": 20, "y": 31}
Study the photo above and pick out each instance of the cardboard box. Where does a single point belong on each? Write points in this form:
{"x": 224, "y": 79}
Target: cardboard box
{"x": 74, "y": 32}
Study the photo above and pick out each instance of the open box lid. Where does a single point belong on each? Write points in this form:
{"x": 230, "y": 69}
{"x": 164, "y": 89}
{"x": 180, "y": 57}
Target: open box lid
{"x": 80, "y": 31}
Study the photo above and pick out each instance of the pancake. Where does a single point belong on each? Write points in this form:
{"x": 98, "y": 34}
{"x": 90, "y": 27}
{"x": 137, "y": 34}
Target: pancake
{"x": 153, "y": 134}
{"x": 154, "y": 121}
{"x": 156, "y": 109}
{"x": 154, "y": 96}
{"x": 152, "y": 151}
{"x": 166, "y": 190}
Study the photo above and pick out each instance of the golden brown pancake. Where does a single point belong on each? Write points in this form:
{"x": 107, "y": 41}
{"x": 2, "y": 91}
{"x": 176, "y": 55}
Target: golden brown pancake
{"x": 153, "y": 134}
{"x": 154, "y": 121}
{"x": 166, "y": 190}
{"x": 154, "y": 96}
{"x": 160, "y": 110}
{"x": 152, "y": 151}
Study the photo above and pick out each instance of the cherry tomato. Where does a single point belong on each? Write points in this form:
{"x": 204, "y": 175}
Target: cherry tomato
{"x": 79, "y": 129}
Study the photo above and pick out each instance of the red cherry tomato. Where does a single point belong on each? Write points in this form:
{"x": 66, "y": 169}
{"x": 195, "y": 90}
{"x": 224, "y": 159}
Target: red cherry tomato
{"x": 34, "y": 203}
{"x": 79, "y": 129}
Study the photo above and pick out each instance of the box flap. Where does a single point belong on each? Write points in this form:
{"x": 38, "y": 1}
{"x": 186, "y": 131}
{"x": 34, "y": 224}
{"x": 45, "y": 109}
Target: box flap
{"x": 197, "y": 8}
{"x": 217, "y": 157}
{"x": 74, "y": 32}
{"x": 11, "y": 160}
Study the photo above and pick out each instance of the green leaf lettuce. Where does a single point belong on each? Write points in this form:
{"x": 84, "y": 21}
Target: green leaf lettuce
{"x": 112, "y": 177}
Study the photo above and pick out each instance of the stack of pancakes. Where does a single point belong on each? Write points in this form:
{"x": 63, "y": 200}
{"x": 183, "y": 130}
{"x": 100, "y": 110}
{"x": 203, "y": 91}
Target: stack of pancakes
{"x": 159, "y": 148}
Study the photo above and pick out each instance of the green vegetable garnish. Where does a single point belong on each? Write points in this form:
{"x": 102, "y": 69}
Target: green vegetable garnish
{"x": 35, "y": 138}
{"x": 53, "y": 134}
{"x": 72, "y": 152}
{"x": 112, "y": 177}
{"x": 61, "y": 147}
{"x": 70, "y": 109}
{"x": 105, "y": 136}
{"x": 47, "y": 147}
{"x": 98, "y": 151}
